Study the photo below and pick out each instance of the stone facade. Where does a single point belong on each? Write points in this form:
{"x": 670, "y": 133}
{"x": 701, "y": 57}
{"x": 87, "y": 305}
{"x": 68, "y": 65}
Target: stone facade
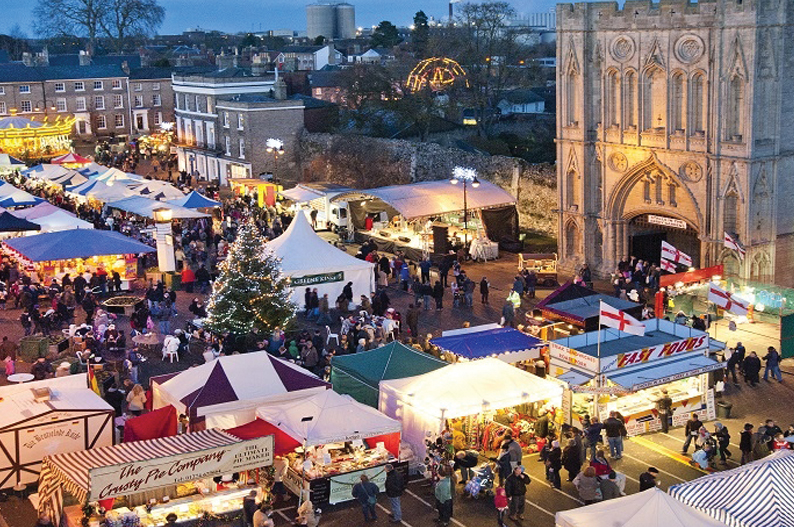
{"x": 673, "y": 114}
{"x": 363, "y": 162}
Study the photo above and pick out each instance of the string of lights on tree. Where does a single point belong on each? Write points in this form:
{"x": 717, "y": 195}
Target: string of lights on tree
{"x": 251, "y": 293}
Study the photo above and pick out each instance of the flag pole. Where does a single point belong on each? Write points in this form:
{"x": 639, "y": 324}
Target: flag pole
{"x": 598, "y": 356}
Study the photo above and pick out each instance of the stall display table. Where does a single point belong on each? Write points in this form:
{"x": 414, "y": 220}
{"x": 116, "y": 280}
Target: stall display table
{"x": 484, "y": 249}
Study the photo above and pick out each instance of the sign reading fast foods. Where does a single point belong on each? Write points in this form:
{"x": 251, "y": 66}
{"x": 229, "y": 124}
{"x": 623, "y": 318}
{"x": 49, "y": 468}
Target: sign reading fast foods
{"x": 662, "y": 351}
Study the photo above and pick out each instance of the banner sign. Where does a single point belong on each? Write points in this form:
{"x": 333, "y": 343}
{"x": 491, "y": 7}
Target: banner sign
{"x": 662, "y": 351}
{"x": 342, "y": 485}
{"x": 604, "y": 390}
{"x": 573, "y": 357}
{"x": 665, "y": 221}
{"x": 698, "y": 275}
{"x": 314, "y": 279}
{"x": 678, "y": 376}
{"x": 140, "y": 476}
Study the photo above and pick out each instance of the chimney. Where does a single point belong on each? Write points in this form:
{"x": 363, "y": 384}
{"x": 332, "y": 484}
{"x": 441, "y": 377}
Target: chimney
{"x": 182, "y": 61}
{"x": 27, "y": 59}
{"x": 224, "y": 61}
{"x": 235, "y": 61}
{"x": 125, "y": 67}
{"x": 43, "y": 58}
{"x": 85, "y": 58}
{"x": 280, "y": 90}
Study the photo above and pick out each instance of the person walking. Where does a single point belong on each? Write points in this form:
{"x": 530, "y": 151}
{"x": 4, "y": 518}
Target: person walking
{"x": 508, "y": 314}
{"x": 649, "y": 479}
{"x": 554, "y": 464}
{"x": 664, "y": 405}
{"x": 424, "y": 268}
{"x": 502, "y": 504}
{"x": 746, "y": 443}
{"x": 572, "y": 459}
{"x": 438, "y": 295}
{"x": 516, "y": 490}
{"x": 691, "y": 431}
{"x": 485, "y": 288}
{"x": 723, "y": 440}
{"x": 588, "y": 486}
{"x": 772, "y": 359}
{"x": 443, "y": 494}
{"x": 752, "y": 367}
{"x": 592, "y": 434}
{"x": 412, "y": 319}
{"x": 366, "y": 493}
{"x": 736, "y": 359}
{"x": 395, "y": 486}
{"x": 615, "y": 430}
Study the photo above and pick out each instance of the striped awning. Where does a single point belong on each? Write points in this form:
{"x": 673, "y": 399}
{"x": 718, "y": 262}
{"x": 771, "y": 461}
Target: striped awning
{"x": 758, "y": 494}
{"x": 69, "y": 471}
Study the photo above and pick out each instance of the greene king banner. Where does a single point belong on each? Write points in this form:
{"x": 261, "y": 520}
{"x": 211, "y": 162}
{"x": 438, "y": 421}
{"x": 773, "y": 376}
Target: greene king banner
{"x": 149, "y": 474}
{"x": 314, "y": 279}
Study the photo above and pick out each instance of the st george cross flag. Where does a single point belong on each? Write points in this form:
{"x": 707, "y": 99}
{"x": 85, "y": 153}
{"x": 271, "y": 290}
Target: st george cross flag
{"x": 667, "y": 265}
{"x": 614, "y": 318}
{"x": 674, "y": 255}
{"x": 731, "y": 243}
{"x": 727, "y": 301}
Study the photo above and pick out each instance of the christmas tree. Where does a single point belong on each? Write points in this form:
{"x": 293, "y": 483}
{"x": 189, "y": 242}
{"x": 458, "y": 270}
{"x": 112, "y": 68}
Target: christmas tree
{"x": 250, "y": 292}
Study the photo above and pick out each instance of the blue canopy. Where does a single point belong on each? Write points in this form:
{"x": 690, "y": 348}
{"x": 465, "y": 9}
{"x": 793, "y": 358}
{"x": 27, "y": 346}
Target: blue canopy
{"x": 506, "y": 344}
{"x": 10, "y": 223}
{"x": 194, "y": 200}
{"x": 75, "y": 243}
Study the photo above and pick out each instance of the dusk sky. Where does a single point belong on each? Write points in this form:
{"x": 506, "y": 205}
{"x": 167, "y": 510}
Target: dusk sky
{"x": 260, "y": 15}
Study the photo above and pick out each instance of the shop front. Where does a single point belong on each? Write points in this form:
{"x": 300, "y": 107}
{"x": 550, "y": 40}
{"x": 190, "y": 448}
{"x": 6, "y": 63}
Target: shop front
{"x": 144, "y": 483}
{"x": 627, "y": 373}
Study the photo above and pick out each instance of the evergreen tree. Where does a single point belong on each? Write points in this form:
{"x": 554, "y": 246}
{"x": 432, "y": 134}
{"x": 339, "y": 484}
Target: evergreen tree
{"x": 385, "y": 35}
{"x": 250, "y": 292}
{"x": 420, "y": 34}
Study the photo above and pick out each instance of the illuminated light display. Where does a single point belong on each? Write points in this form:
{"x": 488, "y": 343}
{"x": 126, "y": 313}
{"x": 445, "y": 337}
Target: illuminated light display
{"x": 21, "y": 137}
{"x": 437, "y": 72}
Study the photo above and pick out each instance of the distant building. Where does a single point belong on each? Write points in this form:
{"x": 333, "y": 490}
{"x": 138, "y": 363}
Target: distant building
{"x": 521, "y": 102}
{"x": 374, "y": 56}
{"x": 311, "y": 58}
{"x": 332, "y": 21}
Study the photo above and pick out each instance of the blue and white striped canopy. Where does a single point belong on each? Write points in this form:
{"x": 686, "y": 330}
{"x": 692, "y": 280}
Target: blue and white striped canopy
{"x": 759, "y": 494}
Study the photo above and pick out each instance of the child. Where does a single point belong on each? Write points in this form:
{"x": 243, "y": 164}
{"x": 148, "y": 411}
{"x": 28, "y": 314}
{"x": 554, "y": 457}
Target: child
{"x": 501, "y": 503}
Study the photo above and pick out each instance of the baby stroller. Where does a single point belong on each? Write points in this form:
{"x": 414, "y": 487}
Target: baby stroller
{"x": 481, "y": 483}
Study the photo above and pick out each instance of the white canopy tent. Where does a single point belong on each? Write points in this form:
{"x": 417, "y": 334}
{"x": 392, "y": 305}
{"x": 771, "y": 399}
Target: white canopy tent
{"x": 424, "y": 402}
{"x": 60, "y": 221}
{"x": 153, "y": 188}
{"x": 310, "y": 261}
{"x": 115, "y": 176}
{"x": 327, "y": 417}
{"x": 93, "y": 170}
{"x": 144, "y": 207}
{"x": 100, "y": 191}
{"x": 650, "y": 508}
{"x": 46, "y": 171}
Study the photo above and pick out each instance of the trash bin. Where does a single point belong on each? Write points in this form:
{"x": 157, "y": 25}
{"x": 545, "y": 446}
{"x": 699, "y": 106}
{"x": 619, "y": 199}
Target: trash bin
{"x": 724, "y": 409}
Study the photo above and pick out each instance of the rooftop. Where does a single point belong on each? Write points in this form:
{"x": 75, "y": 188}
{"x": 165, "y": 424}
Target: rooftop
{"x": 18, "y": 72}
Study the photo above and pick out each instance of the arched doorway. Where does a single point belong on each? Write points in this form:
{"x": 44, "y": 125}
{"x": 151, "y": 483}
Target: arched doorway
{"x": 647, "y": 232}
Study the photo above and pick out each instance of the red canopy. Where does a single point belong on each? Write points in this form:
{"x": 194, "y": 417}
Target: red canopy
{"x": 151, "y": 425}
{"x": 70, "y": 158}
{"x": 284, "y": 443}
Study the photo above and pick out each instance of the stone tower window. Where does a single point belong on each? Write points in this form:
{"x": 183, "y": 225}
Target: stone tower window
{"x": 612, "y": 98}
{"x": 653, "y": 99}
{"x": 698, "y": 103}
{"x": 571, "y": 233}
{"x": 570, "y": 189}
{"x": 730, "y": 213}
{"x": 630, "y": 98}
{"x": 571, "y": 100}
{"x": 733, "y": 125}
{"x": 677, "y": 102}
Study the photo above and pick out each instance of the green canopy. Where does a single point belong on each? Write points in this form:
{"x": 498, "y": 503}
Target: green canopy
{"x": 358, "y": 375}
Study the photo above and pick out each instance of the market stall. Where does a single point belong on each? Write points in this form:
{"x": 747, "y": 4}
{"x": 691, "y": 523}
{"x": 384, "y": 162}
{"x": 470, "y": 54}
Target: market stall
{"x": 194, "y": 200}
{"x": 544, "y": 265}
{"x": 359, "y": 374}
{"x": 631, "y": 371}
{"x": 341, "y": 438}
{"x": 11, "y": 196}
{"x": 424, "y": 218}
{"x": 650, "y": 508}
{"x": 141, "y": 483}
{"x": 506, "y": 344}
{"x": 61, "y": 221}
{"x": 43, "y": 417}
{"x": 74, "y": 251}
{"x": 226, "y": 392}
{"x": 156, "y": 189}
{"x": 310, "y": 261}
{"x": 265, "y": 192}
{"x": 10, "y": 223}
{"x": 145, "y": 207}
{"x": 99, "y": 191}
{"x": 472, "y": 398}
{"x": 46, "y": 171}
{"x": 579, "y": 306}
{"x": 316, "y": 197}
{"x": 71, "y": 160}
{"x": 10, "y": 164}
{"x": 756, "y": 494}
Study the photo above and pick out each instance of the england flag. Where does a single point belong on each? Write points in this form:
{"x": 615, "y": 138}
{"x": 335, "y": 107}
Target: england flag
{"x": 732, "y": 243}
{"x": 674, "y": 255}
{"x": 727, "y": 301}
{"x": 614, "y": 318}
{"x": 667, "y": 265}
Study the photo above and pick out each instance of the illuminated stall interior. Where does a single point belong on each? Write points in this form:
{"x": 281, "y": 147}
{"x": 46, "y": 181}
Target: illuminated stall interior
{"x": 26, "y": 138}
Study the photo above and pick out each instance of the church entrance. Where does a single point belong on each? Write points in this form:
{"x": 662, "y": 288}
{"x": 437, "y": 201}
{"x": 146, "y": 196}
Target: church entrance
{"x": 647, "y": 231}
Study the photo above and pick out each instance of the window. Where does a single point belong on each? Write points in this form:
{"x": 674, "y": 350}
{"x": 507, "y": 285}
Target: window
{"x": 696, "y": 104}
{"x": 228, "y": 145}
{"x": 571, "y": 100}
{"x": 735, "y": 103}
{"x": 24, "y": 88}
{"x": 60, "y": 87}
{"x": 226, "y": 119}
{"x": 570, "y": 189}
{"x": 118, "y": 120}
{"x": 654, "y": 97}
{"x": 198, "y": 103}
{"x": 101, "y": 123}
{"x": 3, "y": 108}
{"x": 730, "y": 213}
{"x": 571, "y": 242}
{"x": 209, "y": 105}
{"x": 99, "y": 103}
{"x": 158, "y": 118}
{"x": 187, "y": 102}
{"x": 2, "y": 90}
{"x": 79, "y": 86}
{"x": 116, "y": 83}
{"x": 26, "y": 106}
{"x": 98, "y": 85}
{"x": 157, "y": 100}
{"x": 242, "y": 148}
{"x": 137, "y": 86}
{"x": 677, "y": 102}
{"x": 156, "y": 86}
{"x": 79, "y": 104}
{"x": 139, "y": 101}
{"x": 240, "y": 121}
{"x": 60, "y": 104}
{"x": 612, "y": 99}
{"x": 118, "y": 101}
{"x": 671, "y": 195}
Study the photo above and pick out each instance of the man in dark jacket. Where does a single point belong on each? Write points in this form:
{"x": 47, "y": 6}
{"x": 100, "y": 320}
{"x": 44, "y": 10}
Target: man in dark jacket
{"x": 664, "y": 405}
{"x": 412, "y": 319}
{"x": 691, "y": 431}
{"x": 746, "y": 443}
{"x": 752, "y": 367}
{"x": 554, "y": 464}
{"x": 772, "y": 364}
{"x": 465, "y": 461}
{"x": 249, "y": 508}
{"x": 516, "y": 490}
{"x": 615, "y": 430}
{"x": 648, "y": 479}
{"x": 737, "y": 359}
{"x": 366, "y": 493}
{"x": 593, "y": 435}
{"x": 395, "y": 485}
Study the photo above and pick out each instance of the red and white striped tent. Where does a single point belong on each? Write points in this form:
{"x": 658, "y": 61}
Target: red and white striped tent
{"x": 70, "y": 159}
{"x": 69, "y": 471}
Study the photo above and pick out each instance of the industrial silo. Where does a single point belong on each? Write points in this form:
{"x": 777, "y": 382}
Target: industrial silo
{"x": 320, "y": 20}
{"x": 345, "y": 21}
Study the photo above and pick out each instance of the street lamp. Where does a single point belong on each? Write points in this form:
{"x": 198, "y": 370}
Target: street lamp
{"x": 166, "y": 260}
{"x": 275, "y": 147}
{"x": 467, "y": 176}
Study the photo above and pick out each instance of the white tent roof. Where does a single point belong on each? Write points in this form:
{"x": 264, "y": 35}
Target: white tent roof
{"x": 61, "y": 221}
{"x": 650, "y": 508}
{"x": 116, "y": 176}
{"x": 334, "y": 418}
{"x": 93, "y": 169}
{"x": 152, "y": 188}
{"x": 72, "y": 177}
{"x": 46, "y": 171}
{"x": 68, "y": 393}
{"x": 302, "y": 251}
{"x": 101, "y": 191}
{"x": 466, "y": 388}
{"x": 144, "y": 207}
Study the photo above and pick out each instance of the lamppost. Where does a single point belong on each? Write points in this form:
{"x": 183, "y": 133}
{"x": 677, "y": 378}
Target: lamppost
{"x": 166, "y": 260}
{"x": 467, "y": 176}
{"x": 275, "y": 147}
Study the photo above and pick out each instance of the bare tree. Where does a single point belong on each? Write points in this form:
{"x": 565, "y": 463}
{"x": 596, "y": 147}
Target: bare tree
{"x": 131, "y": 18}
{"x": 70, "y": 17}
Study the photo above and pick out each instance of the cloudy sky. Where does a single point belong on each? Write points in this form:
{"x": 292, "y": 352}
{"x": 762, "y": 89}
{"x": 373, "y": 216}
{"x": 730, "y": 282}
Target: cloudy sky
{"x": 261, "y": 15}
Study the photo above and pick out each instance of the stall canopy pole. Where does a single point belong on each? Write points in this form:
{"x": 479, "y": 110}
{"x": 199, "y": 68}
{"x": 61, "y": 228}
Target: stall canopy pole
{"x": 598, "y": 377}
{"x": 305, "y": 420}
